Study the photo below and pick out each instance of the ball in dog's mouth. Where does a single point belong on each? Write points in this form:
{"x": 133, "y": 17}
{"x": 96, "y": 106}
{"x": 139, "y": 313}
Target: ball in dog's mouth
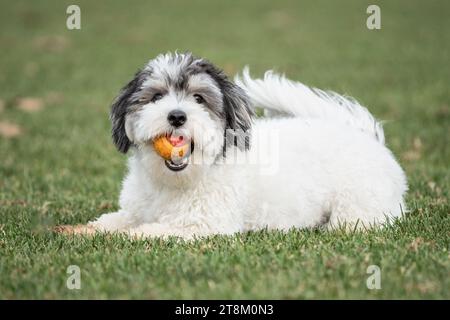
{"x": 175, "y": 150}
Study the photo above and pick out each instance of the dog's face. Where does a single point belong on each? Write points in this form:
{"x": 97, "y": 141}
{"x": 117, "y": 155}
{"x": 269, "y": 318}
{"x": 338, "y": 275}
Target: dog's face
{"x": 182, "y": 98}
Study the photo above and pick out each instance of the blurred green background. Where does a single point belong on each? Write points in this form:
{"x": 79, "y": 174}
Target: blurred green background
{"x": 58, "y": 164}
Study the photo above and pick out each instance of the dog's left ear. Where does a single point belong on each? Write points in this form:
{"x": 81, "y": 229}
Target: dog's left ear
{"x": 237, "y": 106}
{"x": 120, "y": 108}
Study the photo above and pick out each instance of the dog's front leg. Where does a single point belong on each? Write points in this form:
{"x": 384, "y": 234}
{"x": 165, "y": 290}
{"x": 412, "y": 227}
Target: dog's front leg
{"x": 114, "y": 222}
{"x": 119, "y": 221}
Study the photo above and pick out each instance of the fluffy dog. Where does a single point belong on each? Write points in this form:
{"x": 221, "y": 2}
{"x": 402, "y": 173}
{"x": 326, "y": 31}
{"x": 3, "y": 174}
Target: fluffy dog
{"x": 320, "y": 161}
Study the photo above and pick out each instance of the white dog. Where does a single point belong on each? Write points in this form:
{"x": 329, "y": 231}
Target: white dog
{"x": 321, "y": 162}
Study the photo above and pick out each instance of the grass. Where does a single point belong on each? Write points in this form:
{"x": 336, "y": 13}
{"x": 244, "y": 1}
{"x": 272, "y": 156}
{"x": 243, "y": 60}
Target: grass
{"x": 58, "y": 165}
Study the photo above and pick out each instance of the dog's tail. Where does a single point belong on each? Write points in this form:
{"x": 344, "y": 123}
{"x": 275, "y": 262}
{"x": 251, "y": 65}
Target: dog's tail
{"x": 278, "y": 94}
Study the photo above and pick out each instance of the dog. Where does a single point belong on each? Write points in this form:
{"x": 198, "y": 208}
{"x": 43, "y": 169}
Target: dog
{"x": 329, "y": 165}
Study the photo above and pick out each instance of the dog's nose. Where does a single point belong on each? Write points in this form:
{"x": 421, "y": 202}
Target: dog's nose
{"x": 177, "y": 117}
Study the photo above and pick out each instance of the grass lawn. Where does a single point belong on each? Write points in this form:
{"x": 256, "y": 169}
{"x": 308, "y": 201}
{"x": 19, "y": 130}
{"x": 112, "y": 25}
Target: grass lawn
{"x": 59, "y": 166}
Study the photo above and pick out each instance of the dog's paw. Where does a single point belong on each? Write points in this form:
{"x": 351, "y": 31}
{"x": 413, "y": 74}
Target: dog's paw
{"x": 78, "y": 229}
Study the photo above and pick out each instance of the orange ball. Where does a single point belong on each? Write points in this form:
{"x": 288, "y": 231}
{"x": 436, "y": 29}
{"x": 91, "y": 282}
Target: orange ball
{"x": 169, "y": 152}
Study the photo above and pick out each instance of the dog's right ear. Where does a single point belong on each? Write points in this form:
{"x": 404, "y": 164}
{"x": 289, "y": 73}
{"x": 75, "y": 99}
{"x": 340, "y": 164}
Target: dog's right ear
{"x": 119, "y": 109}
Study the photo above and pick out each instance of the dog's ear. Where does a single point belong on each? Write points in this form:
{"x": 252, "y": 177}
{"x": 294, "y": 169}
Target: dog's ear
{"x": 238, "y": 110}
{"x": 120, "y": 108}
{"x": 237, "y": 106}
{"x": 239, "y": 113}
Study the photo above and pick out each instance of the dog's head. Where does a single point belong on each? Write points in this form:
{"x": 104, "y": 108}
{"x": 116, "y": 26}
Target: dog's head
{"x": 182, "y": 98}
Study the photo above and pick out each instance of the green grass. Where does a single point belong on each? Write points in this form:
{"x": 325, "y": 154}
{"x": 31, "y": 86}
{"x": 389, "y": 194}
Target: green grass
{"x": 63, "y": 169}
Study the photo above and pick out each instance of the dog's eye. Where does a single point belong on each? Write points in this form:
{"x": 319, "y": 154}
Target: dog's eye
{"x": 156, "y": 97}
{"x": 199, "y": 98}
